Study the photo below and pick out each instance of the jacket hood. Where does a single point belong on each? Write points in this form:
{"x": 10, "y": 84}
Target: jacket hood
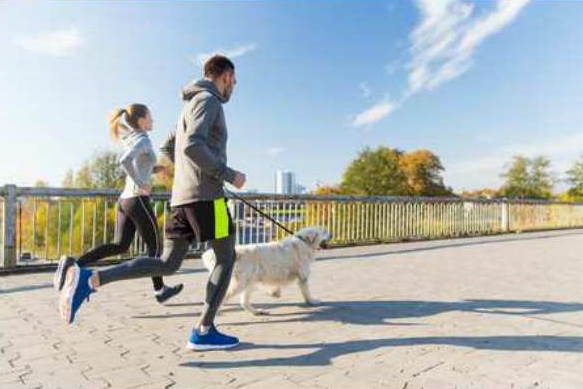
{"x": 190, "y": 90}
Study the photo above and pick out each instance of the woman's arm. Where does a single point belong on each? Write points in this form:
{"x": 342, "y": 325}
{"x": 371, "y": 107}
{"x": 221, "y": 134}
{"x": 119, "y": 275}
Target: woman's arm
{"x": 127, "y": 160}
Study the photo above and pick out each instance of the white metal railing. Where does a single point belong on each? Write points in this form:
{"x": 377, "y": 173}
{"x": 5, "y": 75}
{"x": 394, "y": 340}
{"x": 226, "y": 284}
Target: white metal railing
{"x": 41, "y": 224}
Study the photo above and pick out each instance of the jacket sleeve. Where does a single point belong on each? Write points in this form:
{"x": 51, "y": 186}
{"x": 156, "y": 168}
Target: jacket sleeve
{"x": 127, "y": 160}
{"x": 202, "y": 118}
{"x": 169, "y": 145}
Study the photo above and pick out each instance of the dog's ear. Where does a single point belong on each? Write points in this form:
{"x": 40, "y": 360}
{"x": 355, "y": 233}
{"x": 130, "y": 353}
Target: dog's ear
{"x": 312, "y": 237}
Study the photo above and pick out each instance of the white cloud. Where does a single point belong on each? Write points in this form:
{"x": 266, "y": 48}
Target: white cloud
{"x": 241, "y": 50}
{"x": 233, "y": 52}
{"x": 365, "y": 89}
{"x": 374, "y": 113}
{"x": 443, "y": 43}
{"x": 275, "y": 151}
{"x": 57, "y": 43}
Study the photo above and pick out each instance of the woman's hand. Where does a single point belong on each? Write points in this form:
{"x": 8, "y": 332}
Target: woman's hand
{"x": 160, "y": 169}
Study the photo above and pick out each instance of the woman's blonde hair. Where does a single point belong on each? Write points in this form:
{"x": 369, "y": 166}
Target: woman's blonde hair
{"x": 133, "y": 112}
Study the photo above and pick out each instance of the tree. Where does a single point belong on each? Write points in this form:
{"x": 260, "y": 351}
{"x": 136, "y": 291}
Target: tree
{"x": 423, "y": 171}
{"x": 516, "y": 178}
{"x": 100, "y": 171}
{"x": 528, "y": 178}
{"x": 69, "y": 180}
{"x": 575, "y": 179}
{"x": 375, "y": 173}
{"x": 325, "y": 190}
{"x": 541, "y": 178}
{"x": 163, "y": 180}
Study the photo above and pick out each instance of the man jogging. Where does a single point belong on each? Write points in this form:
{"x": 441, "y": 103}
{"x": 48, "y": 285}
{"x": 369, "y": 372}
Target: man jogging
{"x": 198, "y": 149}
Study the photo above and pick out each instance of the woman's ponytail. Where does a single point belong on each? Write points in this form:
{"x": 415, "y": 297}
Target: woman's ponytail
{"x": 133, "y": 112}
{"x": 114, "y": 122}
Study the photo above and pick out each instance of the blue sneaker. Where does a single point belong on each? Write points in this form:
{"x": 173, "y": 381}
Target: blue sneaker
{"x": 212, "y": 340}
{"x": 75, "y": 291}
{"x": 59, "y": 278}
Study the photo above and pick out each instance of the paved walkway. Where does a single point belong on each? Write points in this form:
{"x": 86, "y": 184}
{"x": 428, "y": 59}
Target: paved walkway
{"x": 495, "y": 312}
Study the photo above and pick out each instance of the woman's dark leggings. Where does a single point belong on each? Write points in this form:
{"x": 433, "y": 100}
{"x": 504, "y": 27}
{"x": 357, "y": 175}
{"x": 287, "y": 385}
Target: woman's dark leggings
{"x": 134, "y": 213}
{"x": 170, "y": 262}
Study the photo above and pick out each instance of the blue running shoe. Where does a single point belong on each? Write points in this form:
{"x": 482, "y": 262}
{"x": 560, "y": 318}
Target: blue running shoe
{"x": 212, "y": 340}
{"x": 75, "y": 291}
{"x": 59, "y": 278}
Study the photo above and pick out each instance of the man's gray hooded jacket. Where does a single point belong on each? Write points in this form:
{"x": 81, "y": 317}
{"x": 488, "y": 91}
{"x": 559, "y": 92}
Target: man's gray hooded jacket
{"x": 198, "y": 147}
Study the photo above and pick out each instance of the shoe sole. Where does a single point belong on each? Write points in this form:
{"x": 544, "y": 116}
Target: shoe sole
{"x": 59, "y": 278}
{"x": 207, "y": 347}
{"x": 160, "y": 301}
{"x": 67, "y": 294}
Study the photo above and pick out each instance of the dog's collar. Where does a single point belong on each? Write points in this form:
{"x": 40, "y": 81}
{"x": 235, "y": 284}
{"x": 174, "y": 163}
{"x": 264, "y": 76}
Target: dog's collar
{"x": 302, "y": 239}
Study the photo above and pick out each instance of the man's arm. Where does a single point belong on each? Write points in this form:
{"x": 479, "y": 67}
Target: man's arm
{"x": 204, "y": 115}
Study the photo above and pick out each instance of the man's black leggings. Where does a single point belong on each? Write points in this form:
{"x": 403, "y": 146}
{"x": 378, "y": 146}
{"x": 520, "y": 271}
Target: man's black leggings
{"x": 207, "y": 220}
{"x": 134, "y": 213}
{"x": 171, "y": 260}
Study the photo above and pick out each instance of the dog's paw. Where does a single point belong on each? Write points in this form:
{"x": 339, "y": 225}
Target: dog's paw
{"x": 313, "y": 302}
{"x": 260, "y": 312}
{"x": 275, "y": 293}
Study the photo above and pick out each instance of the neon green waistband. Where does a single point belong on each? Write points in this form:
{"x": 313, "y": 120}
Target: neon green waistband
{"x": 221, "y": 218}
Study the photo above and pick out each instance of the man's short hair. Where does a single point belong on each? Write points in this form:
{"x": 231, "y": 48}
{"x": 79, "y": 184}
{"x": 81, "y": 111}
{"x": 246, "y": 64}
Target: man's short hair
{"x": 216, "y": 65}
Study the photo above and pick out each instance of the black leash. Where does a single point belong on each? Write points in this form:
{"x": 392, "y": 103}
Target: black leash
{"x": 264, "y": 214}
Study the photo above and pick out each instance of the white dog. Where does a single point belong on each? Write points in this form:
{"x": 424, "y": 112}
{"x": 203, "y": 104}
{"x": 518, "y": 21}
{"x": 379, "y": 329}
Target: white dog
{"x": 273, "y": 265}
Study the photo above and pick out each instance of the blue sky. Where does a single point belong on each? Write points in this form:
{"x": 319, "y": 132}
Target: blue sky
{"x": 474, "y": 81}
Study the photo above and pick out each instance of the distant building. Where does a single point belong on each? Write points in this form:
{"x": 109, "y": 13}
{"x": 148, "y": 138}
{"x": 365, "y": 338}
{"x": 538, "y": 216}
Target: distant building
{"x": 300, "y": 189}
{"x": 285, "y": 182}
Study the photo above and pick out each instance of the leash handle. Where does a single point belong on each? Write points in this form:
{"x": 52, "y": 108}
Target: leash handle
{"x": 260, "y": 212}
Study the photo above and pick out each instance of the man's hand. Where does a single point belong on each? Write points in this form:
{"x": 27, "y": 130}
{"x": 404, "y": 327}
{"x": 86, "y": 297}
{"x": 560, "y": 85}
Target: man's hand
{"x": 145, "y": 190}
{"x": 239, "y": 180}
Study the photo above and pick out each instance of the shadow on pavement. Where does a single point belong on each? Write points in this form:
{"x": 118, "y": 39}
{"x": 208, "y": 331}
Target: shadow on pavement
{"x": 26, "y": 288}
{"x": 322, "y": 354}
{"x": 382, "y": 312}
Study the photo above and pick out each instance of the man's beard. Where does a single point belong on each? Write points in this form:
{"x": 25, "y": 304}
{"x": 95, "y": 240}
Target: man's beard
{"x": 228, "y": 93}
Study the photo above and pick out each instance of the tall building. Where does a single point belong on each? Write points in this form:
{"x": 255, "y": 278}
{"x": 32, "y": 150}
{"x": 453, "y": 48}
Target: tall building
{"x": 285, "y": 182}
{"x": 300, "y": 189}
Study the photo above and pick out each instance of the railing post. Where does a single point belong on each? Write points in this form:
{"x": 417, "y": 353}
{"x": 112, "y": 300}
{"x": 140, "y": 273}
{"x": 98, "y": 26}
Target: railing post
{"x": 8, "y": 249}
{"x": 505, "y": 216}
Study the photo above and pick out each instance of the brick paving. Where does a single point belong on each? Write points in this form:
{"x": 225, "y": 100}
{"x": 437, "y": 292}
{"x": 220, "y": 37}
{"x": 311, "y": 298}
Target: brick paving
{"x": 494, "y": 312}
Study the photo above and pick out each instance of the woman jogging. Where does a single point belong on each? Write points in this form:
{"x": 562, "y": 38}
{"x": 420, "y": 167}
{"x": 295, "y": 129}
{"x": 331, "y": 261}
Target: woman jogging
{"x": 130, "y": 127}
